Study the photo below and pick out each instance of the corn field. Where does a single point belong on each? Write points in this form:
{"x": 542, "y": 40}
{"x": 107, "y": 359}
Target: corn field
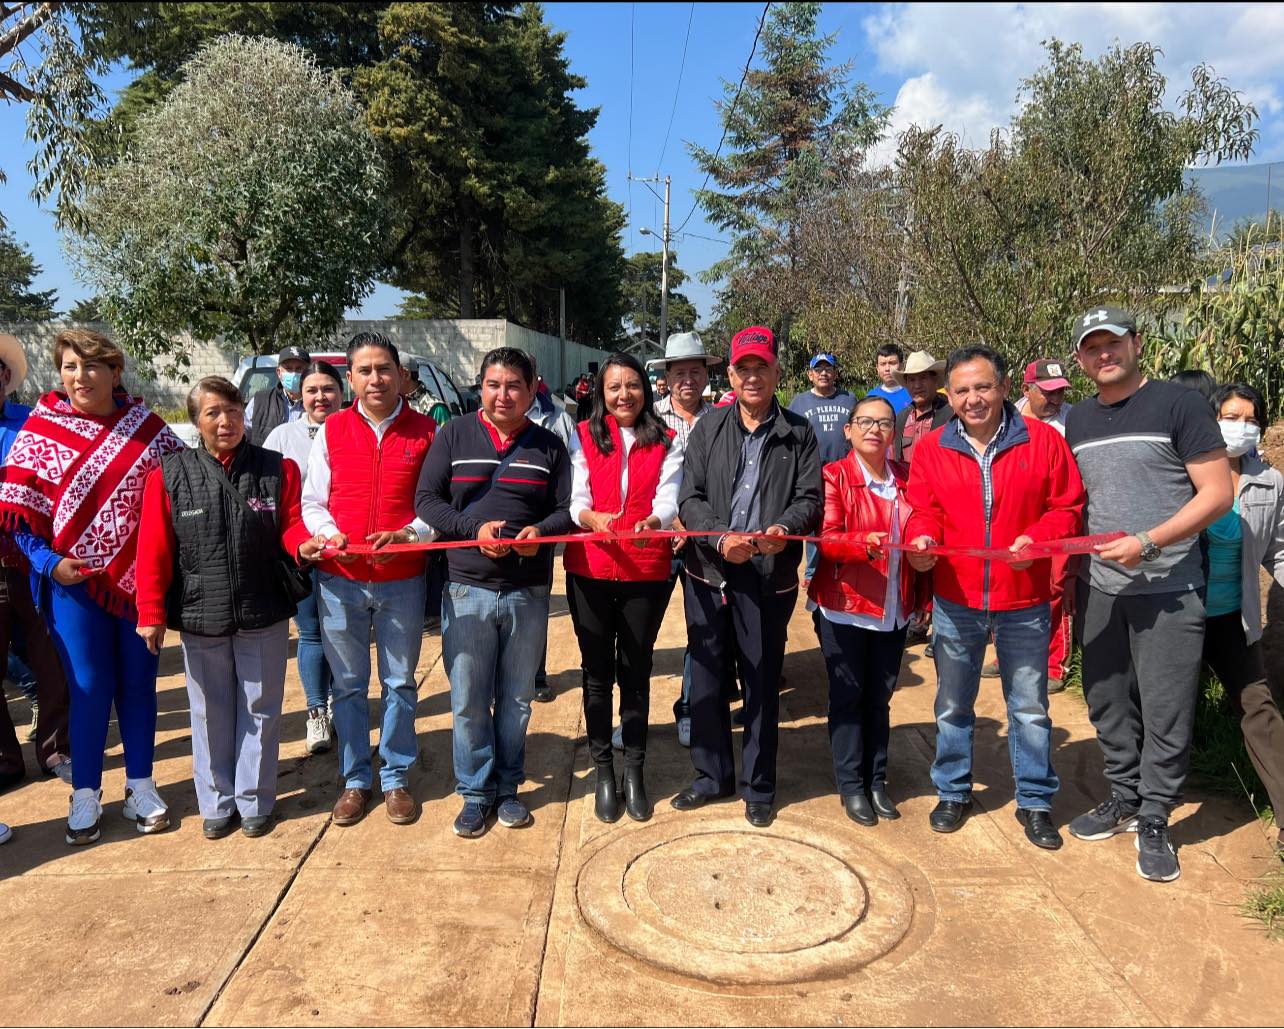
{"x": 1233, "y": 322}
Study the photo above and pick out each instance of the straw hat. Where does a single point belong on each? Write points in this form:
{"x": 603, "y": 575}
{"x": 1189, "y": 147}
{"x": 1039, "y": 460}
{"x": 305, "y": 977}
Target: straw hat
{"x": 919, "y": 362}
{"x": 15, "y": 359}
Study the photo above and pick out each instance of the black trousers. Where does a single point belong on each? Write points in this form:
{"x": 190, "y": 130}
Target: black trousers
{"x": 1243, "y": 674}
{"x": 53, "y": 742}
{"x": 617, "y": 624}
{"x": 863, "y": 668}
{"x": 757, "y": 620}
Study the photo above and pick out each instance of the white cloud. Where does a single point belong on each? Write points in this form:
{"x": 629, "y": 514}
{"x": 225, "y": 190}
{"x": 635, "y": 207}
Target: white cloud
{"x": 963, "y": 63}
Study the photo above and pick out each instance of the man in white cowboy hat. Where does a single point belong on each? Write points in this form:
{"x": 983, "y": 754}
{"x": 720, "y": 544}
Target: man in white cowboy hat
{"x": 686, "y": 364}
{"x": 52, "y": 740}
{"x": 928, "y": 408}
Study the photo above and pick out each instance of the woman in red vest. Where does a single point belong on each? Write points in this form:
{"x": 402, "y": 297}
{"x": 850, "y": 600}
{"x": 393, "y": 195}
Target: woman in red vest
{"x": 861, "y": 599}
{"x": 627, "y": 469}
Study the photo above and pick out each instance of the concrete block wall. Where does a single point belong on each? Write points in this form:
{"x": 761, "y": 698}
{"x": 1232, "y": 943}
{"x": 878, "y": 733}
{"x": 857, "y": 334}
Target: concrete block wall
{"x": 457, "y": 345}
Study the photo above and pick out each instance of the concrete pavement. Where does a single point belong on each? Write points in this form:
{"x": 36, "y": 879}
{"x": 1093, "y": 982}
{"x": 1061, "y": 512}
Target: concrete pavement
{"x": 691, "y": 918}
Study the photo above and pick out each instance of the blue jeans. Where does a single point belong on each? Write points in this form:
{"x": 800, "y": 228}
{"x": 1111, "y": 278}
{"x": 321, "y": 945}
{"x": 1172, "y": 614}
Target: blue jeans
{"x": 396, "y": 612}
{"x": 314, "y": 670}
{"x": 1021, "y": 641}
{"x": 813, "y": 560}
{"x": 491, "y": 641}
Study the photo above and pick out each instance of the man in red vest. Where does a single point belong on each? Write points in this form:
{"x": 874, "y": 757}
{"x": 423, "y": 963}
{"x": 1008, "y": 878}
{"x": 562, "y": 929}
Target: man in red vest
{"x": 376, "y": 449}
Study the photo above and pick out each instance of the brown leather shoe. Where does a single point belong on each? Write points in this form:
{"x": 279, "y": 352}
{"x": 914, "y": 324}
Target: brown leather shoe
{"x": 351, "y": 807}
{"x": 400, "y": 805}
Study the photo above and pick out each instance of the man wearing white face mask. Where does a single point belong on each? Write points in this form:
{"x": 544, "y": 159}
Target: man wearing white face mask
{"x": 1154, "y": 465}
{"x": 281, "y": 403}
{"x": 1249, "y": 537}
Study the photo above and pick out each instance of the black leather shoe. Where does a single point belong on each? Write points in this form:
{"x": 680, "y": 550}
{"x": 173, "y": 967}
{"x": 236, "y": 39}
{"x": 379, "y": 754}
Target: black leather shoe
{"x": 256, "y": 825}
{"x": 757, "y": 814}
{"x": 217, "y": 828}
{"x": 1039, "y": 829}
{"x": 606, "y": 799}
{"x": 636, "y": 803}
{"x": 883, "y": 805}
{"x": 689, "y": 799}
{"x": 948, "y": 815}
{"x": 859, "y": 809}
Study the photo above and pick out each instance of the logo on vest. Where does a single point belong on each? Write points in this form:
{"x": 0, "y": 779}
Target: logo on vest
{"x": 191, "y": 514}
{"x": 261, "y": 504}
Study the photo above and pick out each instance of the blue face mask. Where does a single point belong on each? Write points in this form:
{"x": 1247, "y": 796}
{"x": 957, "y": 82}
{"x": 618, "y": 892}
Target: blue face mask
{"x": 292, "y": 381}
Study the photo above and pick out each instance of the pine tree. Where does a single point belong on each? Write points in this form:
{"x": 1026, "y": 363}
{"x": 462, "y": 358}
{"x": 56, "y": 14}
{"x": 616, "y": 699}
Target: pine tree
{"x": 18, "y": 271}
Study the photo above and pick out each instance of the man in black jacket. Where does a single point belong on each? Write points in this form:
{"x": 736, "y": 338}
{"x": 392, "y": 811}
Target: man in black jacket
{"x": 281, "y": 403}
{"x": 751, "y": 467}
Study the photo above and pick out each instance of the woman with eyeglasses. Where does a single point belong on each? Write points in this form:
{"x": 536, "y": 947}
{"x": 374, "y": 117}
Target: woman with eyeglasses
{"x": 1248, "y": 537}
{"x": 861, "y": 599}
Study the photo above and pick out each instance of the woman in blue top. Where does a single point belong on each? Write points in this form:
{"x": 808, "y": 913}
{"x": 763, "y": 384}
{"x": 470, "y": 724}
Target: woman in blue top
{"x": 1246, "y": 538}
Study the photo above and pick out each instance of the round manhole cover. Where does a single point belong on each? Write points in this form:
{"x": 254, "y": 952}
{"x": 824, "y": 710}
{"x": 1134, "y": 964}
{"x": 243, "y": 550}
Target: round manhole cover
{"x": 737, "y": 906}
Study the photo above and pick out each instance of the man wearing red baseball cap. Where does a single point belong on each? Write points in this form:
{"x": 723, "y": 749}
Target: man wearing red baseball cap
{"x": 1045, "y": 393}
{"x": 751, "y": 467}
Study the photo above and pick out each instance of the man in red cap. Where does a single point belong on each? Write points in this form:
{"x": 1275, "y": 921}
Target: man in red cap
{"x": 1045, "y": 393}
{"x": 751, "y": 467}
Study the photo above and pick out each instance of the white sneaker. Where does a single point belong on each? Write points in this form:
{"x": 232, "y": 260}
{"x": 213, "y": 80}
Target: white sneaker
{"x": 6, "y": 834}
{"x": 144, "y": 807}
{"x": 617, "y": 738}
{"x": 63, "y": 770}
{"x": 684, "y": 731}
{"x": 35, "y": 715}
{"x": 318, "y": 731}
{"x": 82, "y": 820}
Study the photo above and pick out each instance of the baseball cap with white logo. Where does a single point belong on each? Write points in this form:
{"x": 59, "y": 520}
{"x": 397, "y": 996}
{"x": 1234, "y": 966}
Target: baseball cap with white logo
{"x": 1102, "y": 319}
{"x": 1046, "y": 374}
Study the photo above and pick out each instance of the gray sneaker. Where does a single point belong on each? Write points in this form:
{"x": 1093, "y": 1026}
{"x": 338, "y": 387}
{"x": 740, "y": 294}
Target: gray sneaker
{"x": 1156, "y": 855}
{"x": 512, "y": 813}
{"x": 1105, "y": 820}
{"x": 35, "y": 717}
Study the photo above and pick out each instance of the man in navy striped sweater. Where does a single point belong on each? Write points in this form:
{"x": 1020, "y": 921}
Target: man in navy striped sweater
{"x": 498, "y": 478}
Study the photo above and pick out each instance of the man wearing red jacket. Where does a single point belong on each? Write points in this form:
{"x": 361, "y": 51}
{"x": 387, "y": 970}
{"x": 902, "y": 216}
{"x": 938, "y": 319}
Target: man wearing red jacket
{"x": 990, "y": 478}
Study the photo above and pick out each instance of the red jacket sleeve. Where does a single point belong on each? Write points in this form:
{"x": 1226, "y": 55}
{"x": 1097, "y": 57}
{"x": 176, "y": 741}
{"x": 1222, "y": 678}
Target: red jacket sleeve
{"x": 293, "y": 532}
{"x": 154, "y": 565}
{"x": 927, "y": 516}
{"x": 835, "y": 542}
{"x": 1063, "y": 509}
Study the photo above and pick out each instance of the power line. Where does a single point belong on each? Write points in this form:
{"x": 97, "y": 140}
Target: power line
{"x": 677, "y": 92}
{"x": 735, "y": 100}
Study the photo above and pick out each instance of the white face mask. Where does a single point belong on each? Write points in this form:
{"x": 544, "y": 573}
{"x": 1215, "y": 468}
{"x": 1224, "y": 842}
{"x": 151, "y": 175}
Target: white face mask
{"x": 1240, "y": 437}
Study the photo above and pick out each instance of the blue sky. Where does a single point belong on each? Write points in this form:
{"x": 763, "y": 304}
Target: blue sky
{"x": 952, "y": 64}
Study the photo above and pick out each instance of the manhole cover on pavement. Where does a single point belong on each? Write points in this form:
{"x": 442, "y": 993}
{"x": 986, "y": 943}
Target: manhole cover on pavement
{"x": 736, "y": 906}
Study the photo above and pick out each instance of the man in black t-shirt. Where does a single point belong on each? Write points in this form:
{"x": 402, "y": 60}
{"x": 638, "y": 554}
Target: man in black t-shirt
{"x": 1154, "y": 465}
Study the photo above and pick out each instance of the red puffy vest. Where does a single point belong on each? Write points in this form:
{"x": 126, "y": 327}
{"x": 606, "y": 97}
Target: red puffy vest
{"x": 372, "y": 486}
{"x": 621, "y": 560}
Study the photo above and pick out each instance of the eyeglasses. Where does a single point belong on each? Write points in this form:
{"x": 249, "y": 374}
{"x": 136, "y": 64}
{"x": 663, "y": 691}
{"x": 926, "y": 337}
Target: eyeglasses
{"x": 865, "y": 423}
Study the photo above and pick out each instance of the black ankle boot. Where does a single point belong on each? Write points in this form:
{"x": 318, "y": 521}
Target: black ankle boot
{"x": 606, "y": 801}
{"x": 635, "y": 798}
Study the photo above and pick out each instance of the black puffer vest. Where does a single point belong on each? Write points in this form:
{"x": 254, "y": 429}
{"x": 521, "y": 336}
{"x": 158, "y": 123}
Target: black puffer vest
{"x": 228, "y": 572}
{"x": 270, "y": 410}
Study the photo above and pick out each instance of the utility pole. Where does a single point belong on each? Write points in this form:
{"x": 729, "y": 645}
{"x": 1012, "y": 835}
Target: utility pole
{"x": 561, "y": 334}
{"x": 666, "y": 238}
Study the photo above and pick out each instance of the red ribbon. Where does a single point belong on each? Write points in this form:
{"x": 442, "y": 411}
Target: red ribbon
{"x": 1035, "y": 551}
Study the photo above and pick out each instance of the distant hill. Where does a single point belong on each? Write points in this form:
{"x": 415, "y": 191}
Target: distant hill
{"x": 1238, "y": 192}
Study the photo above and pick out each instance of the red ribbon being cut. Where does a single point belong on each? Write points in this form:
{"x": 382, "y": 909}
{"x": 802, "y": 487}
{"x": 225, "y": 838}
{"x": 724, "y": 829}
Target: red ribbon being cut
{"x": 1035, "y": 551}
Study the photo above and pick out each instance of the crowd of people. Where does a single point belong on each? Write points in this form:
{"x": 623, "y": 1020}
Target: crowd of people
{"x": 296, "y": 506}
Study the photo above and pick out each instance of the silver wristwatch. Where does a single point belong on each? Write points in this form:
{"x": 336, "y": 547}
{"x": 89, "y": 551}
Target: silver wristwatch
{"x": 1148, "y": 549}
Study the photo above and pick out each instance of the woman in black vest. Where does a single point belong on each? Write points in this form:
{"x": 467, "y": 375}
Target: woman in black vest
{"x": 224, "y": 536}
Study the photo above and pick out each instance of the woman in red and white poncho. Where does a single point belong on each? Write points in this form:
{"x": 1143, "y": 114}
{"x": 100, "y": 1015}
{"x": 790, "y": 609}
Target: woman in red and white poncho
{"x": 71, "y": 493}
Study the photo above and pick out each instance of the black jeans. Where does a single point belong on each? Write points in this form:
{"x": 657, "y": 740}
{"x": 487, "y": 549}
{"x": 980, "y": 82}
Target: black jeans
{"x": 863, "y": 668}
{"x": 758, "y": 622}
{"x": 53, "y": 743}
{"x": 617, "y": 624}
{"x": 1240, "y": 668}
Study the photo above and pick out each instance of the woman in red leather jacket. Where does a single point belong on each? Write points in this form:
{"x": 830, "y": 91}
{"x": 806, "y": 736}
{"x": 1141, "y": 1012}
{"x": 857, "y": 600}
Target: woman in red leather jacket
{"x": 861, "y": 599}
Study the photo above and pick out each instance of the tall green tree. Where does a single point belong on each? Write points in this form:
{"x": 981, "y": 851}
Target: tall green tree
{"x": 797, "y": 123}
{"x": 249, "y": 205}
{"x": 19, "y": 302}
{"x": 1080, "y": 201}
{"x": 501, "y": 203}
{"x": 642, "y": 296}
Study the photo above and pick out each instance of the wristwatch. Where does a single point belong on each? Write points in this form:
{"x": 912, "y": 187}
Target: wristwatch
{"x": 1148, "y": 549}
{"x": 412, "y": 533}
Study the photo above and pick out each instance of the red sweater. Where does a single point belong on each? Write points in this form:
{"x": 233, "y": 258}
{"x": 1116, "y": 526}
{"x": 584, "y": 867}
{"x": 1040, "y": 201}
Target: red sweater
{"x": 155, "y": 564}
{"x": 1036, "y": 492}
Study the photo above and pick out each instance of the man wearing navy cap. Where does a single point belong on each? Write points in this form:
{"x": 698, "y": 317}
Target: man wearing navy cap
{"x": 827, "y": 408}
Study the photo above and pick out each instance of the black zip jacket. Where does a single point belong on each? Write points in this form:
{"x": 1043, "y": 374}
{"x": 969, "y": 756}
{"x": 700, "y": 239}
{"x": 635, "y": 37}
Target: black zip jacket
{"x": 790, "y": 491}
